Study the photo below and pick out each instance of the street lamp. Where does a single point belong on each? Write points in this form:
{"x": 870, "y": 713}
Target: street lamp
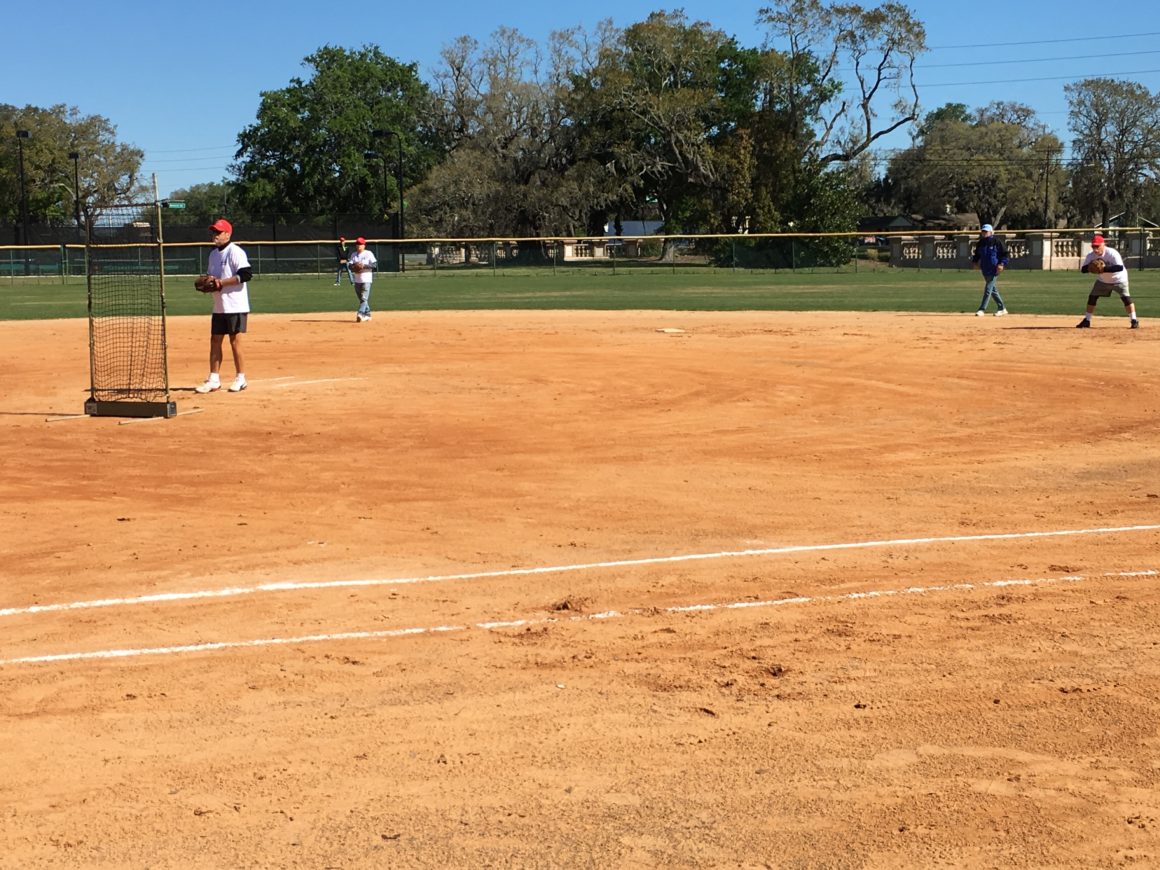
{"x": 371, "y": 155}
{"x": 384, "y": 134}
{"x": 21, "y": 135}
{"x": 75, "y": 157}
{"x": 1046, "y": 187}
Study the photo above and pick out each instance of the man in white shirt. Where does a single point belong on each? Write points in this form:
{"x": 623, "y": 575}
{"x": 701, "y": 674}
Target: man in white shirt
{"x": 229, "y": 264}
{"x": 1113, "y": 277}
{"x": 362, "y": 265}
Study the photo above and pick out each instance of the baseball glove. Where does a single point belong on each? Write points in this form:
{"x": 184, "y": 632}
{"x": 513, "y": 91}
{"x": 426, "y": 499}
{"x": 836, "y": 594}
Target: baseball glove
{"x": 207, "y": 284}
{"x": 1096, "y": 266}
{"x": 357, "y": 267}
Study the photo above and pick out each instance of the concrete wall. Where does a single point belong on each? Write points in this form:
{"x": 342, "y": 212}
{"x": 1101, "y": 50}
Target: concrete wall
{"x": 1049, "y": 251}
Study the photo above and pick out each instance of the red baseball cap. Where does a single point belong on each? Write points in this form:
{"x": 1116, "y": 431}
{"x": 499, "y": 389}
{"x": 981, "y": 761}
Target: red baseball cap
{"x": 1097, "y": 240}
{"x": 360, "y": 240}
{"x": 221, "y": 225}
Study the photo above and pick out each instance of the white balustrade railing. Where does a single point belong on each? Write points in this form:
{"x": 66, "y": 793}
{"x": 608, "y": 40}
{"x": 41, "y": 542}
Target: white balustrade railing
{"x": 1033, "y": 250}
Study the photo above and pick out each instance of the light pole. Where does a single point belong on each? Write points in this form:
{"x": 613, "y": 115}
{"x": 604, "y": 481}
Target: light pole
{"x": 370, "y": 155}
{"x": 384, "y": 134}
{"x": 75, "y": 157}
{"x": 1046, "y": 188}
{"x": 21, "y": 135}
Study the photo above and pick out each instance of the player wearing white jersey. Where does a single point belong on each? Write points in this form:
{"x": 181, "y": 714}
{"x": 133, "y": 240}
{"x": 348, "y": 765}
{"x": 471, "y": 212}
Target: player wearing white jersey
{"x": 231, "y": 306}
{"x": 362, "y": 266}
{"x": 1111, "y": 276}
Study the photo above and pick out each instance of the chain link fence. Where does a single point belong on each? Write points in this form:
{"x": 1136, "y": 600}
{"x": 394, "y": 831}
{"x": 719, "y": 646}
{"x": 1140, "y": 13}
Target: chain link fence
{"x": 1061, "y": 250}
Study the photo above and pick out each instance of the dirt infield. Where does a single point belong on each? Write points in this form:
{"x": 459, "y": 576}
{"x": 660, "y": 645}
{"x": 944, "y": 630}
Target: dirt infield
{"x": 562, "y": 589}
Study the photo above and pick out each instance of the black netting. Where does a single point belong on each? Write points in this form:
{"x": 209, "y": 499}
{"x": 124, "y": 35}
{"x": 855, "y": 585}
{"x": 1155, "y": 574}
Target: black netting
{"x": 127, "y": 347}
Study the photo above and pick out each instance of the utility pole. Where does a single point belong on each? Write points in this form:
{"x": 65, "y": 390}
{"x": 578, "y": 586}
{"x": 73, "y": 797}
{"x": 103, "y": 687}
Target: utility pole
{"x": 1046, "y": 187}
{"x": 384, "y": 134}
{"x": 75, "y": 157}
{"x": 21, "y": 135}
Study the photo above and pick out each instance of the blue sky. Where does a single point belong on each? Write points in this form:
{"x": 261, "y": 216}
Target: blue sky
{"x": 181, "y": 81}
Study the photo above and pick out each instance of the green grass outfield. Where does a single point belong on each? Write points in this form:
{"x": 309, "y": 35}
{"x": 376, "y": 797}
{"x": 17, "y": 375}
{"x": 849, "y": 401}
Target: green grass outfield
{"x": 915, "y": 290}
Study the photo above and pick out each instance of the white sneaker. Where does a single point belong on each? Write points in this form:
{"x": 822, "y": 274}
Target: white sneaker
{"x": 359, "y": 318}
{"x": 238, "y": 385}
{"x": 980, "y": 313}
{"x": 208, "y": 387}
{"x": 1001, "y": 312}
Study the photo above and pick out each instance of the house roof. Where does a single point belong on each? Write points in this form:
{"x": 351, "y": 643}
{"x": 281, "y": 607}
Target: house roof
{"x": 967, "y": 220}
{"x": 634, "y": 228}
{"x": 1122, "y": 220}
{"x": 882, "y": 223}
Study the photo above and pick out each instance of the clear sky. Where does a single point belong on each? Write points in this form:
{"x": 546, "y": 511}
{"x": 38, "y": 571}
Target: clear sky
{"x": 180, "y": 81}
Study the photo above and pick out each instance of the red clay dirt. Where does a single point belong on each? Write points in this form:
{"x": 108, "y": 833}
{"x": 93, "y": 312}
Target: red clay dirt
{"x": 844, "y": 677}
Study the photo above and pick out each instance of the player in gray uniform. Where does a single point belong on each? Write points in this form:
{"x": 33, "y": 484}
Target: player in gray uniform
{"x": 1114, "y": 277}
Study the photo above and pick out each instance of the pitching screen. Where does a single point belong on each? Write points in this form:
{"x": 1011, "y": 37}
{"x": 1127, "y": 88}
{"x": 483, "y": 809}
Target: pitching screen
{"x": 127, "y": 348}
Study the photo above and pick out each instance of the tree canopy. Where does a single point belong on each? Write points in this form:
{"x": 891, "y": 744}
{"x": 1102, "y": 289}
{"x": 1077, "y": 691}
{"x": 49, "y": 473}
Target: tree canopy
{"x": 108, "y": 171}
{"x": 1116, "y": 125}
{"x": 204, "y": 203}
{"x": 998, "y": 162}
{"x": 656, "y": 110}
{"x": 878, "y": 46}
{"x": 666, "y": 118}
{"x": 313, "y": 148}
{"x": 512, "y": 165}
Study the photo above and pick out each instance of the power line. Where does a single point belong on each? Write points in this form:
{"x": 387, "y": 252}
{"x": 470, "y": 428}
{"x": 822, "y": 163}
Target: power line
{"x": 1037, "y": 41}
{"x": 988, "y": 162}
{"x": 1136, "y": 72}
{"x": 1033, "y": 60}
{"x": 214, "y": 158}
{"x": 188, "y": 150}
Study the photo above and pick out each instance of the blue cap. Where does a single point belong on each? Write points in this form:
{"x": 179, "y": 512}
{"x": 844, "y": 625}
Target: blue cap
{"x": 987, "y": 228}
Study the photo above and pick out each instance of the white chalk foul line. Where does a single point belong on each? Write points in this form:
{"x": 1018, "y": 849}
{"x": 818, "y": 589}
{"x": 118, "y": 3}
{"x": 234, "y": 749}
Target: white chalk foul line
{"x": 318, "y": 381}
{"x": 151, "y": 419}
{"x": 217, "y": 646}
{"x": 289, "y": 585}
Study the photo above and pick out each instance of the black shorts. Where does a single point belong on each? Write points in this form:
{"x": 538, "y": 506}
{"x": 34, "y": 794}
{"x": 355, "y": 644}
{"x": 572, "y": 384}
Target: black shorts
{"x": 227, "y": 324}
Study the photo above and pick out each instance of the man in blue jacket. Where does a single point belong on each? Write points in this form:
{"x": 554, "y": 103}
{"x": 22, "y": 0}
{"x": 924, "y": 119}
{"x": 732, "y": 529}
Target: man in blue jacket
{"x": 343, "y": 266}
{"x": 990, "y": 258}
